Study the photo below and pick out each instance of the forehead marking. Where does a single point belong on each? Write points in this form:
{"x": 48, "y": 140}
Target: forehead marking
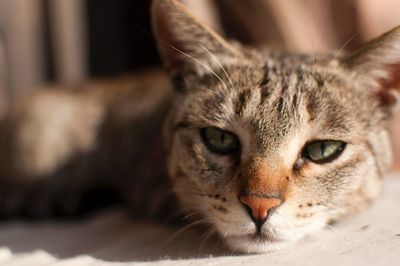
{"x": 242, "y": 101}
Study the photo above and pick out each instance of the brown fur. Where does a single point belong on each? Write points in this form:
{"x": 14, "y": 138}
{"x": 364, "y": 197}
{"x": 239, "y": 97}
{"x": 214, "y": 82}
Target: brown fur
{"x": 276, "y": 103}
{"x": 263, "y": 178}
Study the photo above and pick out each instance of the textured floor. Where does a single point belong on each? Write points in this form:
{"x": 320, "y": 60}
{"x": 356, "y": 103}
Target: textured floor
{"x": 110, "y": 238}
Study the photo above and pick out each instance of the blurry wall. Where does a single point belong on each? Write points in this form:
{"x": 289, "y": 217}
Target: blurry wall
{"x": 22, "y": 42}
{"x": 71, "y": 40}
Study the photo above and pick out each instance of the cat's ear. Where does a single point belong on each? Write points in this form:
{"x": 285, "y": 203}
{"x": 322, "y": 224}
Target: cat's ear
{"x": 184, "y": 42}
{"x": 377, "y": 65}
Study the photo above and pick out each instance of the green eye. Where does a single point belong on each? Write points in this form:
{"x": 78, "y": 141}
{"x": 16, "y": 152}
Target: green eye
{"x": 323, "y": 151}
{"x": 219, "y": 141}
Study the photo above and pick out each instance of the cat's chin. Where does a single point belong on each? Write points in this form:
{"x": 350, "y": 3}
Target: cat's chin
{"x": 256, "y": 243}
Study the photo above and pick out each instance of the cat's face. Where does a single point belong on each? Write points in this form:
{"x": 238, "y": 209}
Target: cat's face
{"x": 268, "y": 147}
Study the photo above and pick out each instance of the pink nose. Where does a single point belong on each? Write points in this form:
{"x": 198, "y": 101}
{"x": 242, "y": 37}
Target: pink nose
{"x": 260, "y": 206}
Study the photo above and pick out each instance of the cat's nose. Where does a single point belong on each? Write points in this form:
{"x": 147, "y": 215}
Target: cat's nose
{"x": 260, "y": 206}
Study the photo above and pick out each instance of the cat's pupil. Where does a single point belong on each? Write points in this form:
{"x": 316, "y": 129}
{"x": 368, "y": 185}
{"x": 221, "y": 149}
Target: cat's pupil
{"x": 222, "y": 138}
{"x": 323, "y": 150}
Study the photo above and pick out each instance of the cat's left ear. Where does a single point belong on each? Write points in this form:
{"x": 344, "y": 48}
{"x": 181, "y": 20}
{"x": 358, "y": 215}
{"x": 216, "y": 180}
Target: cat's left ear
{"x": 376, "y": 65}
{"x": 184, "y": 42}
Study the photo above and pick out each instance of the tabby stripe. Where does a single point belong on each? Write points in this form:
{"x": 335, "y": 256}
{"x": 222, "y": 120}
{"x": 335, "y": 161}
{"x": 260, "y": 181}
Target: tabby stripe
{"x": 350, "y": 163}
{"x": 241, "y": 102}
{"x": 264, "y": 85}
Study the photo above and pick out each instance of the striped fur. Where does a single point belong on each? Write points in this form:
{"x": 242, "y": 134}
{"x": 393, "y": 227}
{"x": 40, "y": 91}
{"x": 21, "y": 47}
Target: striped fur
{"x": 275, "y": 103}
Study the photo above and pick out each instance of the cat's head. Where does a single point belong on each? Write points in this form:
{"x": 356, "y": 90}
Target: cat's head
{"x": 266, "y": 146}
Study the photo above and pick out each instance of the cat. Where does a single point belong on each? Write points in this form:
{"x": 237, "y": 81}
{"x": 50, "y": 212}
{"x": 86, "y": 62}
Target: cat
{"x": 264, "y": 146}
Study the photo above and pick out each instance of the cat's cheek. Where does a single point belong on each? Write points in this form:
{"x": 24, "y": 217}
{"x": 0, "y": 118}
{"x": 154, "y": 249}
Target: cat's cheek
{"x": 282, "y": 230}
{"x": 199, "y": 164}
{"x": 198, "y": 180}
{"x": 186, "y": 157}
{"x": 238, "y": 223}
{"x": 286, "y": 231}
{"x": 299, "y": 228}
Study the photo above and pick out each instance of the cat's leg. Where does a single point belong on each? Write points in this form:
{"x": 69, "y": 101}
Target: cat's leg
{"x": 41, "y": 199}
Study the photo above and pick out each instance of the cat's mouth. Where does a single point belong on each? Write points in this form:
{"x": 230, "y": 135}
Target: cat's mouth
{"x": 256, "y": 242}
{"x": 261, "y": 237}
{"x": 258, "y": 238}
{"x": 266, "y": 235}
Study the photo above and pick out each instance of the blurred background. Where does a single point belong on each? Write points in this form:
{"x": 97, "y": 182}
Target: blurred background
{"x": 70, "y": 41}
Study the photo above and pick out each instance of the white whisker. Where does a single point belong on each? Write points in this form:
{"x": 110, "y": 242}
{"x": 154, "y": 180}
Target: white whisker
{"x": 206, "y": 236}
{"x": 176, "y": 234}
{"x": 344, "y": 46}
{"x": 313, "y": 56}
{"x": 219, "y": 63}
{"x": 197, "y": 61}
{"x": 190, "y": 215}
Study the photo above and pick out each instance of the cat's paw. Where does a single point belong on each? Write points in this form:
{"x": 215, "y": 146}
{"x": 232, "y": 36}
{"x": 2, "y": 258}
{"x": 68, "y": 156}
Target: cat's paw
{"x": 36, "y": 201}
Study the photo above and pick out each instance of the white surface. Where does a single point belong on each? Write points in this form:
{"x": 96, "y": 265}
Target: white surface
{"x": 111, "y": 238}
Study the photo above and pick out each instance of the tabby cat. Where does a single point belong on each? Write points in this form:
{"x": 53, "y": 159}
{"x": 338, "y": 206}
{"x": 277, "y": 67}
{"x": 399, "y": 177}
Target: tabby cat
{"x": 264, "y": 146}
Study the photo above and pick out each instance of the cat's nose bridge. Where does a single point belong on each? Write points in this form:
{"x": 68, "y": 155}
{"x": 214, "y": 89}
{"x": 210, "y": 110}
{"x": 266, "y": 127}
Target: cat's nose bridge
{"x": 263, "y": 187}
{"x": 261, "y": 177}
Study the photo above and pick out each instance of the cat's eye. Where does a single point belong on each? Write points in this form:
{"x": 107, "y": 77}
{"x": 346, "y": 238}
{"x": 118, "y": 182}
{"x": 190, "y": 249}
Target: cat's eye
{"x": 219, "y": 141}
{"x": 323, "y": 151}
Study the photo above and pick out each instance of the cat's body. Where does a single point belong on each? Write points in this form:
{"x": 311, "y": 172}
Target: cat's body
{"x": 62, "y": 142}
{"x": 263, "y": 146}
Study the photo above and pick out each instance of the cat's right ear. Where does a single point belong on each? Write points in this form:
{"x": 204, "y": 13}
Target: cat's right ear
{"x": 376, "y": 65}
{"x": 186, "y": 44}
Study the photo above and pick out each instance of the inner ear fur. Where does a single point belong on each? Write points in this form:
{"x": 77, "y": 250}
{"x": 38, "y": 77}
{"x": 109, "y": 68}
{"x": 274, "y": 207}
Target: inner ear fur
{"x": 184, "y": 42}
{"x": 376, "y": 65}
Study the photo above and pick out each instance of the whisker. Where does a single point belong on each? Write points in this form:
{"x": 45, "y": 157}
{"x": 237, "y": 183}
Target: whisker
{"x": 355, "y": 35}
{"x": 222, "y": 241}
{"x": 197, "y": 61}
{"x": 206, "y": 236}
{"x": 313, "y": 56}
{"x": 219, "y": 63}
{"x": 179, "y": 232}
{"x": 344, "y": 45}
{"x": 235, "y": 251}
{"x": 190, "y": 215}
{"x": 178, "y": 213}
{"x": 185, "y": 54}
